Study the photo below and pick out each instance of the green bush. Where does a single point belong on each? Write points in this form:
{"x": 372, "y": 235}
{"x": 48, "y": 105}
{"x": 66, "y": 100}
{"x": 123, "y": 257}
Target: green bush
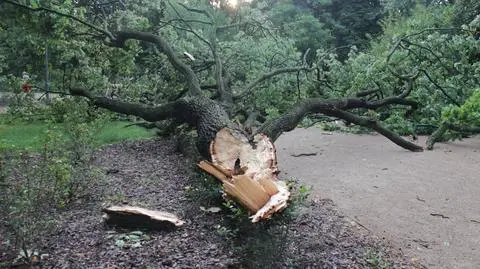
{"x": 35, "y": 185}
{"x": 467, "y": 114}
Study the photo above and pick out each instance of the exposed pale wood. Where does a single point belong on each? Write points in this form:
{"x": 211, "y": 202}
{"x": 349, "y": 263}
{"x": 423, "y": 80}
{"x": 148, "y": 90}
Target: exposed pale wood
{"x": 214, "y": 171}
{"x": 251, "y": 191}
{"x": 268, "y": 185}
{"x": 137, "y": 217}
{"x": 248, "y": 170}
{"x": 277, "y": 203}
{"x": 257, "y": 156}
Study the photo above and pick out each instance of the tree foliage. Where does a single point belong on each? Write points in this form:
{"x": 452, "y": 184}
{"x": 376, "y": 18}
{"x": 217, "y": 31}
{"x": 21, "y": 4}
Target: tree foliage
{"x": 264, "y": 56}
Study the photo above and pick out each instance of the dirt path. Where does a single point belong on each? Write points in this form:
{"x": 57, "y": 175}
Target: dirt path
{"x": 426, "y": 203}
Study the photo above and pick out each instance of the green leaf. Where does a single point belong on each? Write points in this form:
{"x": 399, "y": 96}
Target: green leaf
{"x": 120, "y": 243}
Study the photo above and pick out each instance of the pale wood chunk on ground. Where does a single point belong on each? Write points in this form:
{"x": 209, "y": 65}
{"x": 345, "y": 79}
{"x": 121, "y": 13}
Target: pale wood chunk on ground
{"x": 137, "y": 217}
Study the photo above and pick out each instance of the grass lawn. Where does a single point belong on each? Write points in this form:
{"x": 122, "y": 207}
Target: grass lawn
{"x": 30, "y": 135}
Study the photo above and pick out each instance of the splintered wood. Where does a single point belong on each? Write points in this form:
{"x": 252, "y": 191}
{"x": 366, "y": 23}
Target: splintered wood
{"x": 248, "y": 171}
{"x": 137, "y": 217}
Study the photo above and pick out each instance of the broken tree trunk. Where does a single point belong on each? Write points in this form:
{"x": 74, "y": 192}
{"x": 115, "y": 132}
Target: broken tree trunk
{"x": 137, "y": 217}
{"x": 248, "y": 171}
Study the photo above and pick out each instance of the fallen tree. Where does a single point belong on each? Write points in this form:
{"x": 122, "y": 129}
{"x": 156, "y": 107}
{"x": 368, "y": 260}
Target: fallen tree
{"x": 458, "y": 121}
{"x": 449, "y": 126}
{"x": 245, "y": 165}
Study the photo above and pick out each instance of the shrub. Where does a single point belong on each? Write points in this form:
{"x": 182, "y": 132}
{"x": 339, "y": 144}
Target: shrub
{"x": 34, "y": 185}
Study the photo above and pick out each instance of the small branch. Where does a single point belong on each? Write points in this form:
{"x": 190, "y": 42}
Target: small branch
{"x": 209, "y": 87}
{"x": 192, "y": 81}
{"x": 240, "y": 24}
{"x": 189, "y": 29}
{"x": 195, "y": 10}
{"x": 304, "y": 154}
{"x": 187, "y": 21}
{"x": 251, "y": 120}
{"x": 233, "y": 25}
{"x": 249, "y": 88}
{"x": 305, "y": 55}
{"x": 48, "y": 10}
{"x": 441, "y": 89}
{"x": 439, "y": 215}
{"x": 366, "y": 92}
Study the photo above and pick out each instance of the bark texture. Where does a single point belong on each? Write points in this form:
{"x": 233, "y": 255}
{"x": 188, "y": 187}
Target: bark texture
{"x": 206, "y": 115}
{"x": 337, "y": 108}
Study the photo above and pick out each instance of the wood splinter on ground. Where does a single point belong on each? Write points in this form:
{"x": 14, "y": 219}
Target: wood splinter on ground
{"x": 137, "y": 217}
{"x": 248, "y": 171}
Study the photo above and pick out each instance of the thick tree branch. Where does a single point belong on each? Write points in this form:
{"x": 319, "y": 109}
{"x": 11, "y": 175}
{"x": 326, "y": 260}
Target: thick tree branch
{"x": 147, "y": 113}
{"x": 334, "y": 108}
{"x": 206, "y": 115}
{"x": 437, "y": 135}
{"x": 192, "y": 81}
{"x": 316, "y": 105}
{"x": 375, "y": 125}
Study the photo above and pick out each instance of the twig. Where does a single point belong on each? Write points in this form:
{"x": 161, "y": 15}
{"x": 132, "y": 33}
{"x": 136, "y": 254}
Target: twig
{"x": 48, "y": 10}
{"x": 420, "y": 199}
{"x": 439, "y": 215}
{"x": 304, "y": 154}
{"x": 440, "y": 88}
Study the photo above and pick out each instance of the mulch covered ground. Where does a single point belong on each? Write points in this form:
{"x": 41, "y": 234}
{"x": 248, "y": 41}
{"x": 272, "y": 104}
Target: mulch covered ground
{"x": 150, "y": 173}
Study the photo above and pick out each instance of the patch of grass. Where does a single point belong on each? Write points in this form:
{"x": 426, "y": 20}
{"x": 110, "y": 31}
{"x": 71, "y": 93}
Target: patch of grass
{"x": 117, "y": 131}
{"x": 376, "y": 259}
{"x": 29, "y": 135}
{"x": 22, "y": 135}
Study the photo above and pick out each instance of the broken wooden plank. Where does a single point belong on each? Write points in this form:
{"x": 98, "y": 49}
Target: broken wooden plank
{"x": 138, "y": 217}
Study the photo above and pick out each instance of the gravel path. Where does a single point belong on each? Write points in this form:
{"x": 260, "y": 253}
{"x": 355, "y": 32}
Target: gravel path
{"x": 426, "y": 203}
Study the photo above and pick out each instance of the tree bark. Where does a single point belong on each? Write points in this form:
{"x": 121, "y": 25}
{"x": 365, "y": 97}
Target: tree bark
{"x": 437, "y": 135}
{"x": 336, "y": 108}
{"x": 206, "y": 115}
{"x": 192, "y": 81}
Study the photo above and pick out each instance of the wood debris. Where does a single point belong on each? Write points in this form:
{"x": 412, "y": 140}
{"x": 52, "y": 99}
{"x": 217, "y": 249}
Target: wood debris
{"x": 137, "y": 217}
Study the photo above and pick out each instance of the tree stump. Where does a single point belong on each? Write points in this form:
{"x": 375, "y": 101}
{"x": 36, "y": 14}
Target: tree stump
{"x": 248, "y": 171}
